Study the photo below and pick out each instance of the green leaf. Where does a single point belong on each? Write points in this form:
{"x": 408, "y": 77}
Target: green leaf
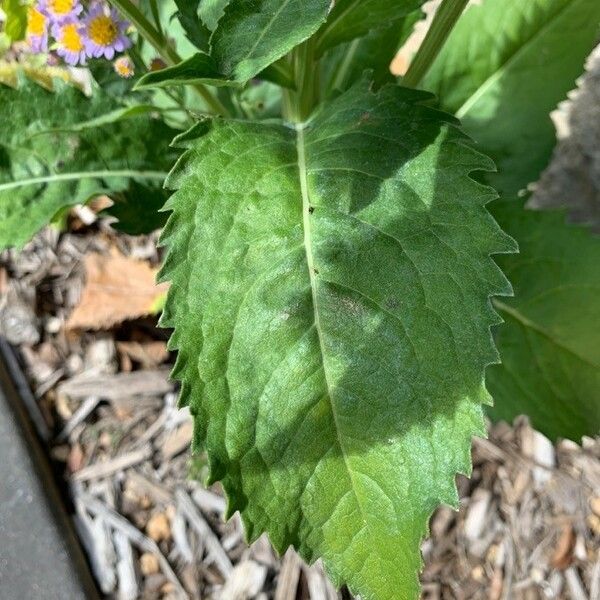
{"x": 252, "y": 34}
{"x": 330, "y": 299}
{"x": 188, "y": 15}
{"x": 504, "y": 68}
{"x": 351, "y": 19}
{"x": 211, "y": 11}
{"x": 53, "y": 158}
{"x": 550, "y": 343}
{"x": 199, "y": 68}
{"x": 504, "y": 86}
{"x": 15, "y": 25}
{"x": 345, "y": 64}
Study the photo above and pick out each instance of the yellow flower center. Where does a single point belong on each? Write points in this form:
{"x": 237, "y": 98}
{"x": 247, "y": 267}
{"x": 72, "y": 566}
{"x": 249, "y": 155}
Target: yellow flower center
{"x": 61, "y": 7}
{"x": 102, "y": 30}
{"x": 123, "y": 67}
{"x": 71, "y": 39}
{"x": 36, "y": 22}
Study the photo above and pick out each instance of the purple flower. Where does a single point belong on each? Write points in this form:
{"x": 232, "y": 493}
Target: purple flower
{"x": 105, "y": 32}
{"x": 59, "y": 10}
{"x": 70, "y": 41}
{"x": 37, "y": 30}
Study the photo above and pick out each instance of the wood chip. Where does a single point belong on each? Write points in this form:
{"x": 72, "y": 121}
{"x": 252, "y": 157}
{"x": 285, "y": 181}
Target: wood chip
{"x": 476, "y": 514}
{"x": 116, "y": 521}
{"x": 149, "y": 564}
{"x": 158, "y": 527}
{"x": 245, "y": 581}
{"x": 177, "y": 441}
{"x": 211, "y": 541}
{"x": 562, "y": 556}
{"x": 119, "y": 386}
{"x": 289, "y": 576}
{"x": 319, "y": 586}
{"x": 104, "y": 469}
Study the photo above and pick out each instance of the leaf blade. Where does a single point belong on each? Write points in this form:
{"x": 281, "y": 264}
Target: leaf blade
{"x": 51, "y": 160}
{"x": 280, "y": 332}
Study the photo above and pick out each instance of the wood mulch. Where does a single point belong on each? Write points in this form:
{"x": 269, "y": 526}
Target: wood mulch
{"x": 529, "y": 520}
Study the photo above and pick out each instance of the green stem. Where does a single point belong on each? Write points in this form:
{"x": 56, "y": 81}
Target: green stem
{"x": 444, "y": 20}
{"x": 300, "y": 103}
{"x": 156, "y": 15}
{"x": 163, "y": 47}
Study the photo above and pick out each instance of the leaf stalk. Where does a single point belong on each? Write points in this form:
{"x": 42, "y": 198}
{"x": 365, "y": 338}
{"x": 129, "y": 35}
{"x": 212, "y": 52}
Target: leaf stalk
{"x": 443, "y": 22}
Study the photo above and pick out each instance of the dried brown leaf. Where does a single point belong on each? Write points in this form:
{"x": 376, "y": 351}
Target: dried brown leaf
{"x": 117, "y": 289}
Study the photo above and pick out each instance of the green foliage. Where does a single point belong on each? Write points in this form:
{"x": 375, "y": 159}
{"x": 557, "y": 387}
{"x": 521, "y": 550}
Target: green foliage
{"x": 345, "y": 64}
{"x": 51, "y": 160}
{"x": 504, "y": 69}
{"x": 351, "y": 19}
{"x": 188, "y": 14}
{"x": 503, "y": 87}
{"x": 550, "y": 343}
{"x": 329, "y": 248}
{"x": 16, "y": 19}
{"x": 330, "y": 299}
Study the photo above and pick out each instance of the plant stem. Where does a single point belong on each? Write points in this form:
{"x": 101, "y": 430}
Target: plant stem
{"x": 299, "y": 103}
{"x": 156, "y": 15}
{"x": 163, "y": 47}
{"x": 444, "y": 20}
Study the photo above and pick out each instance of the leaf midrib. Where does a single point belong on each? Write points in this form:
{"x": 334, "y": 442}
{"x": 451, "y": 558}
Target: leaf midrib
{"x": 495, "y": 76}
{"x": 306, "y": 214}
{"x": 532, "y": 325}
{"x": 158, "y": 175}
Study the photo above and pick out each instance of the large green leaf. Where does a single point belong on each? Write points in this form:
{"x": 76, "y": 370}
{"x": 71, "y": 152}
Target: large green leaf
{"x": 351, "y": 19}
{"x": 49, "y": 160}
{"x": 504, "y": 86}
{"x": 504, "y": 69}
{"x": 330, "y": 299}
{"x": 551, "y": 341}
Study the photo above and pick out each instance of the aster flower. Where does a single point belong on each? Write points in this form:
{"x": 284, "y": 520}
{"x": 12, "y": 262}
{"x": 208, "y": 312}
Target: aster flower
{"x": 59, "y": 10}
{"x": 124, "y": 67}
{"x": 105, "y": 32}
{"x": 70, "y": 41}
{"x": 37, "y": 30}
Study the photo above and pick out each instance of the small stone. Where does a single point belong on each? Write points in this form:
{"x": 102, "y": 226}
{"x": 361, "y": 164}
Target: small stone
{"x": 158, "y": 527}
{"x": 149, "y": 564}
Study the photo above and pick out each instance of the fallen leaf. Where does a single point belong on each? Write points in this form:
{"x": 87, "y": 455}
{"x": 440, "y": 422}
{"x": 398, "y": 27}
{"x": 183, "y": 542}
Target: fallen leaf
{"x": 117, "y": 289}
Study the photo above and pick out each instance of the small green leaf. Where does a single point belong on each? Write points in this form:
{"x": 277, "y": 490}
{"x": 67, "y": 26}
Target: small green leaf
{"x": 52, "y": 158}
{"x": 252, "y": 34}
{"x": 550, "y": 344}
{"x": 199, "y": 68}
{"x": 330, "y": 299}
{"x": 504, "y": 68}
{"x": 351, "y": 19}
